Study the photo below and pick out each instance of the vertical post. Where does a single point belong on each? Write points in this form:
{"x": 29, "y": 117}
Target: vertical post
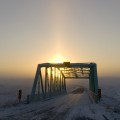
{"x": 50, "y": 80}
{"x": 60, "y": 81}
{"x": 54, "y": 79}
{"x": 41, "y": 83}
{"x": 91, "y": 79}
{"x": 45, "y": 80}
{"x": 57, "y": 80}
{"x": 35, "y": 81}
{"x": 38, "y": 84}
{"x": 64, "y": 84}
{"x": 59, "y": 75}
{"x": 95, "y": 79}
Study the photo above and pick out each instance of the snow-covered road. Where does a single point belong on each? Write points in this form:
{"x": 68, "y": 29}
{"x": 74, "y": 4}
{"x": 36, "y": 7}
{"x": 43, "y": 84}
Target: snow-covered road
{"x": 57, "y": 108}
{"x": 73, "y": 106}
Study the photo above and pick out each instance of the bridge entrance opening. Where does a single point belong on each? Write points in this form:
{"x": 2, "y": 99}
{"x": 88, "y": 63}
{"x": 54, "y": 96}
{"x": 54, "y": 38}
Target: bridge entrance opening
{"x": 54, "y": 82}
{"x": 77, "y": 86}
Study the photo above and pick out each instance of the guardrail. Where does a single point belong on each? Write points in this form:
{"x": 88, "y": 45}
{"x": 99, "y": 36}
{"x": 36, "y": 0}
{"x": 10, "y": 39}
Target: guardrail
{"x": 95, "y": 96}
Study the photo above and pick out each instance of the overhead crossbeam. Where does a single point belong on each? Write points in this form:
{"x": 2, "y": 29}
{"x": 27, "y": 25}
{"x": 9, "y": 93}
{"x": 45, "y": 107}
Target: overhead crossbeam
{"x": 75, "y": 72}
{"x": 54, "y": 82}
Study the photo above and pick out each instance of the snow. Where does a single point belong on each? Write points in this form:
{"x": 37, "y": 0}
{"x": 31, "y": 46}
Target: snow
{"x": 76, "y": 105}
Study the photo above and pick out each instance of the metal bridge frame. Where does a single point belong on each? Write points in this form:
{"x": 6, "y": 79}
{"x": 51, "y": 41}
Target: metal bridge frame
{"x": 56, "y": 75}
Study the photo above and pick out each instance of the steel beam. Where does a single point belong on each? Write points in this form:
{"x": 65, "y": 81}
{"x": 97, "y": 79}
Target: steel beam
{"x": 56, "y": 75}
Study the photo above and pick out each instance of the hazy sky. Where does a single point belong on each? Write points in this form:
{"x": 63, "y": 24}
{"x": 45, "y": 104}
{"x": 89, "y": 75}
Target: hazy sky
{"x": 35, "y": 31}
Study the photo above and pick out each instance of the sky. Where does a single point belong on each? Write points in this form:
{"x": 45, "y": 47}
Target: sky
{"x": 39, "y": 31}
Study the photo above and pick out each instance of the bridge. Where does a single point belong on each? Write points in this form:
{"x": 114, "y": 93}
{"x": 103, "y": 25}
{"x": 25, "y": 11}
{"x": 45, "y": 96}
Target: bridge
{"x": 54, "y": 81}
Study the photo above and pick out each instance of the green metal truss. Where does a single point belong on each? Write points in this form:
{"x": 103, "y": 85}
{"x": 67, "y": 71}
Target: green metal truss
{"x": 56, "y": 74}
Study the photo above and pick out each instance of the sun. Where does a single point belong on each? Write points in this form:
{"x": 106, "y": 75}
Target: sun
{"x": 57, "y": 59}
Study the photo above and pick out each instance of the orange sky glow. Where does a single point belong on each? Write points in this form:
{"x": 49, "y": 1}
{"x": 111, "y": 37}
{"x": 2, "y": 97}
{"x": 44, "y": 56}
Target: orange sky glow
{"x": 57, "y": 31}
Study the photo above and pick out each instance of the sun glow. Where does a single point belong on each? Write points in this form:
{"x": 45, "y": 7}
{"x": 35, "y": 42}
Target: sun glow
{"x": 57, "y": 59}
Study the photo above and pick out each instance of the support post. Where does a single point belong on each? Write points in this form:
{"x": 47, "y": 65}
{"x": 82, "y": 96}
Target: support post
{"x": 54, "y": 79}
{"x": 38, "y": 84}
{"x": 64, "y": 84}
{"x": 60, "y": 81}
{"x": 50, "y": 80}
{"x": 93, "y": 82}
{"x": 42, "y": 88}
{"x": 35, "y": 81}
{"x": 95, "y": 79}
{"x": 46, "y": 81}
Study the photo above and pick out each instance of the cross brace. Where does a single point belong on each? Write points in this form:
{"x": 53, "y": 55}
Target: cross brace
{"x": 54, "y": 82}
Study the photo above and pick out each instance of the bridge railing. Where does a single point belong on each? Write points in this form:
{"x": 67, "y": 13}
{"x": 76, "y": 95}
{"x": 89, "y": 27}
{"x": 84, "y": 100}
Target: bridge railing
{"x": 40, "y": 97}
{"x": 94, "y": 96}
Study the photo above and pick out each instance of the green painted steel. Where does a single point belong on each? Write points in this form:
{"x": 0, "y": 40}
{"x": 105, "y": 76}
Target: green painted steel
{"x": 54, "y": 82}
